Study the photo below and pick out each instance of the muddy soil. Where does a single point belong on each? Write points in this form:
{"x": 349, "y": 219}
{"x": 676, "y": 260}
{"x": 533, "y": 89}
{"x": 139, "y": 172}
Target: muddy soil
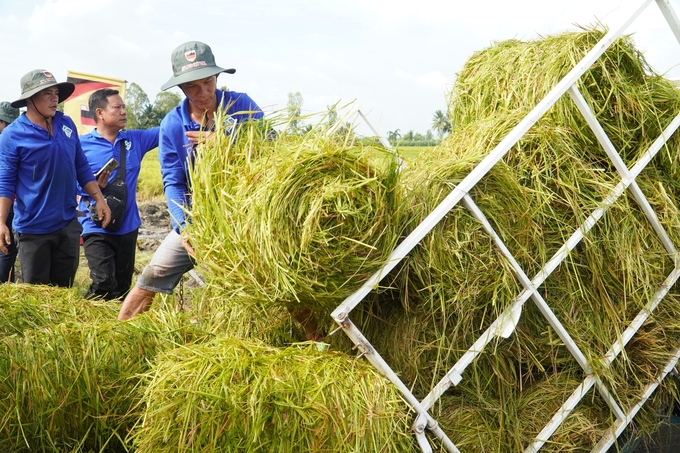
{"x": 155, "y": 224}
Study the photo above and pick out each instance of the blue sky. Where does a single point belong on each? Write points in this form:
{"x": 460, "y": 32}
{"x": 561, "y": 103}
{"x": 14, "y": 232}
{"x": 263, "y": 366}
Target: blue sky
{"x": 395, "y": 59}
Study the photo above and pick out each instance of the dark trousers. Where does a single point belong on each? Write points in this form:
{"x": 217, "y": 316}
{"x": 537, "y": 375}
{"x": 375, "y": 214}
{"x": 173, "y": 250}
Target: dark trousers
{"x": 7, "y": 261}
{"x": 111, "y": 259}
{"x": 50, "y": 259}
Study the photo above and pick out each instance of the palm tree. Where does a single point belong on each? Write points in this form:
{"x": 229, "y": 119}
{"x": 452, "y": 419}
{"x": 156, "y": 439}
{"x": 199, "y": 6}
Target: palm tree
{"x": 440, "y": 123}
{"x": 393, "y": 136}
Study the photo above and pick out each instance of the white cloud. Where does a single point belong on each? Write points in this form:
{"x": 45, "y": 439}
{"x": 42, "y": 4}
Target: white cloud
{"x": 435, "y": 79}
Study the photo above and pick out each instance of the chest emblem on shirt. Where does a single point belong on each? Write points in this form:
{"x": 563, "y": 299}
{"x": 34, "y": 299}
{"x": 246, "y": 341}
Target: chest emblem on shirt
{"x": 228, "y": 123}
{"x": 67, "y": 131}
{"x": 128, "y": 145}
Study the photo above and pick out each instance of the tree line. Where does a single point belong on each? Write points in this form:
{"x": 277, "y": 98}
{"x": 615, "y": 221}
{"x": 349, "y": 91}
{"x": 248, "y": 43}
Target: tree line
{"x": 142, "y": 114}
{"x": 441, "y": 125}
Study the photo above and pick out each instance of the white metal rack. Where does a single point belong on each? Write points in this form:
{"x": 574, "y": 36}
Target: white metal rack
{"x": 505, "y": 324}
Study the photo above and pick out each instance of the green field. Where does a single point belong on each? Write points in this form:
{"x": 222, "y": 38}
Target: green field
{"x": 149, "y": 185}
{"x": 411, "y": 152}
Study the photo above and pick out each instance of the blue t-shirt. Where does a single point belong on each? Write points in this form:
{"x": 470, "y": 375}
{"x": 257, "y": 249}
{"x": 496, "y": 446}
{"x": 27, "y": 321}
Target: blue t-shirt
{"x": 175, "y": 150}
{"x": 43, "y": 172}
{"x": 98, "y": 151}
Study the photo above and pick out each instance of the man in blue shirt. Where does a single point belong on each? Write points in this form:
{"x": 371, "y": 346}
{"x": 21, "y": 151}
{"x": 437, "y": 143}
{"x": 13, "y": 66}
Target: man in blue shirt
{"x": 195, "y": 72}
{"x": 111, "y": 255}
{"x": 41, "y": 161}
{"x": 7, "y": 115}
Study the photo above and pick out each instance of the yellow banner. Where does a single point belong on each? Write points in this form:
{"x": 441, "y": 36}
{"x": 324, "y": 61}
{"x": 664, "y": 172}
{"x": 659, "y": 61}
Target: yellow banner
{"x": 76, "y": 105}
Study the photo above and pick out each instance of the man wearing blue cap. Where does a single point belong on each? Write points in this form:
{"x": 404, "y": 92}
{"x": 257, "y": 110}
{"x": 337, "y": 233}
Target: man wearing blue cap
{"x": 40, "y": 161}
{"x": 195, "y": 72}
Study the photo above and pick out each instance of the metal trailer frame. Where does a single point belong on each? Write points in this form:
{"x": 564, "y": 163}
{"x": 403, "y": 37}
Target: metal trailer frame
{"x": 505, "y": 324}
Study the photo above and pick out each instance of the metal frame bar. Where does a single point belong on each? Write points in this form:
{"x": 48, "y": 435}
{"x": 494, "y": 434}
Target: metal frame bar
{"x": 613, "y": 352}
{"x": 485, "y": 166}
{"x": 609, "y": 438}
{"x": 505, "y": 324}
{"x": 613, "y": 154}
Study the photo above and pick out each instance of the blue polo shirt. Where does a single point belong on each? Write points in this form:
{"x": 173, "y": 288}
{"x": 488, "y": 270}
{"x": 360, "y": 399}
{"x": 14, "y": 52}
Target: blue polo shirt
{"x": 175, "y": 151}
{"x": 98, "y": 151}
{"x": 43, "y": 172}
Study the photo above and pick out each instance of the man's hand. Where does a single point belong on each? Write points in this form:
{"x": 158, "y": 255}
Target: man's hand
{"x": 196, "y": 137}
{"x": 103, "y": 213}
{"x": 103, "y": 179}
{"x": 103, "y": 210}
{"x": 5, "y": 238}
{"x": 187, "y": 246}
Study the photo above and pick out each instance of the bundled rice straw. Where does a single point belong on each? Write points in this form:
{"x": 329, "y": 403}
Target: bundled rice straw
{"x": 239, "y": 396}
{"x": 455, "y": 282}
{"x": 73, "y": 386}
{"x": 25, "y": 307}
{"x": 300, "y": 221}
{"x": 219, "y": 312}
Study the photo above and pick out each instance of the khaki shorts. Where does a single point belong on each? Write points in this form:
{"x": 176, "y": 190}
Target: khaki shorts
{"x": 169, "y": 263}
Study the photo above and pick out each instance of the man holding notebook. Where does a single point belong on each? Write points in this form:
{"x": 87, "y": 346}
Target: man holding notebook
{"x": 110, "y": 252}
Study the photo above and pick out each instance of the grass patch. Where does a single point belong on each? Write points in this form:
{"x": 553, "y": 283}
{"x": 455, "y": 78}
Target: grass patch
{"x": 149, "y": 184}
{"x": 412, "y": 152}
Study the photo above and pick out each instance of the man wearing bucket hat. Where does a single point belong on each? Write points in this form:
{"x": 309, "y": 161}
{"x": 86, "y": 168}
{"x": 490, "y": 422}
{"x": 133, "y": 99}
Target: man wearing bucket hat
{"x": 7, "y": 115}
{"x": 195, "y": 72}
{"x": 40, "y": 161}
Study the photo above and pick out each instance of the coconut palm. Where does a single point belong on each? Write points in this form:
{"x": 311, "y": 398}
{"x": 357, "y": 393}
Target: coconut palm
{"x": 393, "y": 136}
{"x": 441, "y": 123}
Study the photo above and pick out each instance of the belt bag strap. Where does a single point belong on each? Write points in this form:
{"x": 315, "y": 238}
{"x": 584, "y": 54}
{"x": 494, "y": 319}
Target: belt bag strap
{"x": 121, "y": 168}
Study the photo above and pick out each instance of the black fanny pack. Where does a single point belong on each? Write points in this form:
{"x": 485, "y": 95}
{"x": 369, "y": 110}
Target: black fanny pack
{"x": 115, "y": 193}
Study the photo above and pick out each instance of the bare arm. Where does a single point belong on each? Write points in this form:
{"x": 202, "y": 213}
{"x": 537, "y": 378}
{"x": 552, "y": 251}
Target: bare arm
{"x": 5, "y": 238}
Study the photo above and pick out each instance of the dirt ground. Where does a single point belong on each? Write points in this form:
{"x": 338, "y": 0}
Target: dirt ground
{"x": 155, "y": 224}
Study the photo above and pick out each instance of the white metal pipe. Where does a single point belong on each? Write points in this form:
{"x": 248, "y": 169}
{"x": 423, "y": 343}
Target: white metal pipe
{"x": 459, "y": 367}
{"x": 561, "y": 415}
{"x": 461, "y": 190}
{"x": 670, "y": 16}
{"x": 610, "y": 437}
{"x": 621, "y": 167}
{"x": 644, "y": 314}
{"x": 485, "y": 165}
{"x": 543, "y": 306}
{"x": 382, "y": 139}
{"x": 528, "y": 285}
{"x": 453, "y": 376}
{"x": 379, "y": 363}
{"x": 590, "y": 380}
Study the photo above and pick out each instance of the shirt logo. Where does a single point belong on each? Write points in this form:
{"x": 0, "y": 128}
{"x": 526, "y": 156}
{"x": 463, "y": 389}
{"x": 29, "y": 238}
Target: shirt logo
{"x": 190, "y": 55}
{"x": 67, "y": 131}
{"x": 228, "y": 122}
{"x": 128, "y": 145}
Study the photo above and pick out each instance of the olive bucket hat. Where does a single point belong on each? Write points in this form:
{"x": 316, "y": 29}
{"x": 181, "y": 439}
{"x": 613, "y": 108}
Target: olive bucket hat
{"x": 7, "y": 112}
{"x": 36, "y": 81}
{"x": 191, "y": 61}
